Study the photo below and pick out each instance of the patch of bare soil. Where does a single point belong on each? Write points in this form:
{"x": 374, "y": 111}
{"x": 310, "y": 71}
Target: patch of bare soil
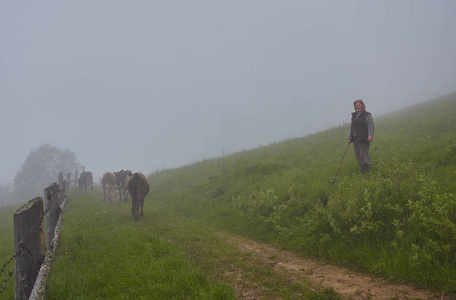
{"x": 347, "y": 283}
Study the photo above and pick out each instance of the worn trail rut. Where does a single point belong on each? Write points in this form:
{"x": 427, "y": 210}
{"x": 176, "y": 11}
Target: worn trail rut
{"x": 256, "y": 270}
{"x": 347, "y": 283}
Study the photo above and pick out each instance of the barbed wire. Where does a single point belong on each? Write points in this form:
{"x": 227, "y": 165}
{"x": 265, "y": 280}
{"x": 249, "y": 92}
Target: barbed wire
{"x": 23, "y": 246}
{"x": 10, "y": 274}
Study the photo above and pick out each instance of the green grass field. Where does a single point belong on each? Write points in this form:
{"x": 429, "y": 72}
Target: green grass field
{"x": 397, "y": 222}
{"x": 104, "y": 254}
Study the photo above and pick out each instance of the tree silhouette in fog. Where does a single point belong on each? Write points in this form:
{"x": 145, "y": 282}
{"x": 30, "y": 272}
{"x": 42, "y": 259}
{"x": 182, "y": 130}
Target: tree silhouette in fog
{"x": 40, "y": 169}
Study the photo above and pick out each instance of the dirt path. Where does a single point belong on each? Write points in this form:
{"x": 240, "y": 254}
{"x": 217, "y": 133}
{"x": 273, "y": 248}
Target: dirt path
{"x": 258, "y": 271}
{"x": 348, "y": 284}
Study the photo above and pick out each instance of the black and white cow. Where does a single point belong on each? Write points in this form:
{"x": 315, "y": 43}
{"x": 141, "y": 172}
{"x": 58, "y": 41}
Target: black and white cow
{"x": 121, "y": 183}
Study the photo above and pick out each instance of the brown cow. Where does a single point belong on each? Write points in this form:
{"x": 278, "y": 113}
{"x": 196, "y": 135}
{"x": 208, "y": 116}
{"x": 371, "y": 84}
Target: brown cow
{"x": 108, "y": 181}
{"x": 138, "y": 188}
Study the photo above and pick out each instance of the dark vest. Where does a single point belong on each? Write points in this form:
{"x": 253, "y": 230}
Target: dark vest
{"x": 359, "y": 126}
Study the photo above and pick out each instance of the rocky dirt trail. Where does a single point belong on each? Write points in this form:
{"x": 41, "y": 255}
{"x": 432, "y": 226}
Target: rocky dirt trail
{"x": 348, "y": 284}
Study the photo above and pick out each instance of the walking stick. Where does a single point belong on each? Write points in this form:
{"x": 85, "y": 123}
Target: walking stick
{"x": 337, "y": 172}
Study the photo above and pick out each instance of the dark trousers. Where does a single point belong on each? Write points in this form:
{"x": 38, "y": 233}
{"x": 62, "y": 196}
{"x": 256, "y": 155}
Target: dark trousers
{"x": 362, "y": 153}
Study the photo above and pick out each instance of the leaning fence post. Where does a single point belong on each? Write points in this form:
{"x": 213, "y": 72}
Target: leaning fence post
{"x": 28, "y": 246}
{"x": 51, "y": 193}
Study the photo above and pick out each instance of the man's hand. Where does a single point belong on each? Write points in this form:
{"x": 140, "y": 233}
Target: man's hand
{"x": 369, "y": 139}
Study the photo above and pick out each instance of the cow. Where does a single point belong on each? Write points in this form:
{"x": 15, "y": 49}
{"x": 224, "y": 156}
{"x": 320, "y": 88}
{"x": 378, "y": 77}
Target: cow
{"x": 85, "y": 180}
{"x": 138, "y": 188}
{"x": 121, "y": 182}
{"x": 108, "y": 181}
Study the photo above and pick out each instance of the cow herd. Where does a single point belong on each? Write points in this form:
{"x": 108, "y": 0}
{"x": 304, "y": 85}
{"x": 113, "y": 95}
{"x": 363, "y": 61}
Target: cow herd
{"x": 124, "y": 182}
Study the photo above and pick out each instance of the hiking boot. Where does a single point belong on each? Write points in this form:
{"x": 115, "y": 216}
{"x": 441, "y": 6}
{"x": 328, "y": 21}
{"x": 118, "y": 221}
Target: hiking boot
{"x": 365, "y": 168}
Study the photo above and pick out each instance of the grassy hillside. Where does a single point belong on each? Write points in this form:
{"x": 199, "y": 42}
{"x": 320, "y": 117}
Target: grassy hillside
{"x": 398, "y": 221}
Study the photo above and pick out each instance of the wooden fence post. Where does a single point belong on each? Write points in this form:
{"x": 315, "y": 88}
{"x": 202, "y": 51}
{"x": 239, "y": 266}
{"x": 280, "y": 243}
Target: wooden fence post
{"x": 53, "y": 210}
{"x": 28, "y": 246}
{"x": 60, "y": 177}
{"x": 68, "y": 180}
{"x": 62, "y": 194}
{"x": 39, "y": 290}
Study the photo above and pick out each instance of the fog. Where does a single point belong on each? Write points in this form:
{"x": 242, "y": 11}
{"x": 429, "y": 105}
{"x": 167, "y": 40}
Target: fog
{"x": 150, "y": 85}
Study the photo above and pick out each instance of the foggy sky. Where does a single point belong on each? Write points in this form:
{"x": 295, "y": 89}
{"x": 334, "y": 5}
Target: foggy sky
{"x": 148, "y": 85}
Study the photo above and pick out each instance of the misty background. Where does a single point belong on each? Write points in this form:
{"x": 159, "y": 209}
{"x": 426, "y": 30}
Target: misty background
{"x": 150, "y": 85}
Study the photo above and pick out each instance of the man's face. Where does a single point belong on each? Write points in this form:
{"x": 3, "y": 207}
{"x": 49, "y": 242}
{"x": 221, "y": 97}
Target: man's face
{"x": 358, "y": 106}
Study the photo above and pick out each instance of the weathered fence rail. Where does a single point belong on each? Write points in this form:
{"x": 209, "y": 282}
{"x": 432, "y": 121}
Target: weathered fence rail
{"x": 32, "y": 265}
